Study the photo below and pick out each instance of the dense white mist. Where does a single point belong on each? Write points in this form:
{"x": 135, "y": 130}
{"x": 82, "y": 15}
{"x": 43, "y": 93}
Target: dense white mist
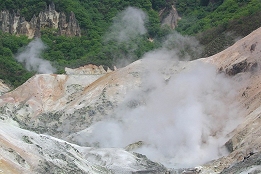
{"x": 127, "y": 25}
{"x": 125, "y": 33}
{"x": 31, "y": 58}
{"x": 182, "y": 117}
{"x": 187, "y": 47}
{"x": 182, "y": 112}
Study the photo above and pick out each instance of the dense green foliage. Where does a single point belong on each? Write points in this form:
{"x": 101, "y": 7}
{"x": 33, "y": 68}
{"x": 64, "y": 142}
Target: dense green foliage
{"x": 209, "y": 21}
{"x": 218, "y": 38}
{"x": 218, "y": 24}
{"x": 95, "y": 17}
{"x": 203, "y": 18}
{"x": 12, "y": 72}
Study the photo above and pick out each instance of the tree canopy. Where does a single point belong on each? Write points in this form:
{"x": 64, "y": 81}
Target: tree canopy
{"x": 95, "y": 19}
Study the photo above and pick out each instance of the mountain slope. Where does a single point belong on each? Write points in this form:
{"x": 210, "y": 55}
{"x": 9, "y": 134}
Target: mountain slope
{"x": 73, "y": 123}
{"x": 241, "y": 61}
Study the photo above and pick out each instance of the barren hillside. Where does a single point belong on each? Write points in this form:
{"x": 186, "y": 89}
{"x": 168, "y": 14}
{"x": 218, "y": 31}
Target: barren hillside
{"x": 208, "y": 109}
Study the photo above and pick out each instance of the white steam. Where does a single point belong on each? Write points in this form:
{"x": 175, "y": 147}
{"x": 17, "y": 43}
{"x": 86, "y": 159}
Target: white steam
{"x": 183, "y": 119}
{"x": 124, "y": 35}
{"x": 187, "y": 47}
{"x": 182, "y": 113}
{"x": 127, "y": 25}
{"x": 31, "y": 58}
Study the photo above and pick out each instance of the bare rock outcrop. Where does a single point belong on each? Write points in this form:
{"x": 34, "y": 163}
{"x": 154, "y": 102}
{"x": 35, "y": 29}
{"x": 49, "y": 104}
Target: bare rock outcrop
{"x": 4, "y": 88}
{"x": 169, "y": 17}
{"x": 87, "y": 70}
{"x": 14, "y": 23}
{"x": 71, "y": 28}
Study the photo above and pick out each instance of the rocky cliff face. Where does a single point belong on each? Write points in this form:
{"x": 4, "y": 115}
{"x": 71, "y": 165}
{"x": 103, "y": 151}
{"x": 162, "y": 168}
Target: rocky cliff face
{"x": 14, "y": 23}
{"x": 169, "y": 17}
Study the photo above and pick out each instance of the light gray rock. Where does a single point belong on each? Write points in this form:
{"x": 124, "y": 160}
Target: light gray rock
{"x": 14, "y": 23}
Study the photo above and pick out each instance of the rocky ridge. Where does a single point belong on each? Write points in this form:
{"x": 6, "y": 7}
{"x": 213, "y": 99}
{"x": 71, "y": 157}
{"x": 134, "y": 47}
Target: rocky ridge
{"x": 14, "y": 23}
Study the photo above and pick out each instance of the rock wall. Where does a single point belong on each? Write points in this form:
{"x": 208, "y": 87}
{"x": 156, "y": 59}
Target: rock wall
{"x": 14, "y": 23}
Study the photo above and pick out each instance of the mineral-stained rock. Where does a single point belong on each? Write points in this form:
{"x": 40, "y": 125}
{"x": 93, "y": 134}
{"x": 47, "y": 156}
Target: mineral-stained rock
{"x": 242, "y": 66}
{"x": 251, "y": 164}
{"x": 44, "y": 154}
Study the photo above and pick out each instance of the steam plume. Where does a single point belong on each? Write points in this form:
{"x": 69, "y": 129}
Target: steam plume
{"x": 124, "y": 35}
{"x": 127, "y": 25}
{"x": 182, "y": 113}
{"x": 187, "y": 47}
{"x": 183, "y": 119}
{"x": 31, "y": 58}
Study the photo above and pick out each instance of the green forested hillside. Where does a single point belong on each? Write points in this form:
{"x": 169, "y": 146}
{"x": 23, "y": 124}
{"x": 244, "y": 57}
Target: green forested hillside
{"x": 209, "y": 21}
{"x": 94, "y": 17}
{"x": 218, "y": 24}
{"x": 213, "y": 15}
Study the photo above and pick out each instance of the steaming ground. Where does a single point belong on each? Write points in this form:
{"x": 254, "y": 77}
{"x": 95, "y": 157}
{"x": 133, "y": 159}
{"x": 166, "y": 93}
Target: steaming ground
{"x": 181, "y": 114}
{"x": 31, "y": 58}
{"x": 181, "y": 117}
